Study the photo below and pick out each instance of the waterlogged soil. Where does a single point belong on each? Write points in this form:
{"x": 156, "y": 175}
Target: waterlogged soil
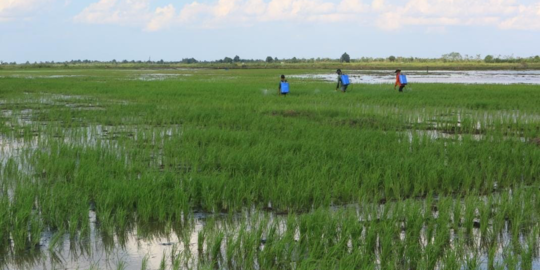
{"x": 149, "y": 245}
{"x": 102, "y": 250}
{"x": 155, "y": 245}
{"x": 462, "y": 77}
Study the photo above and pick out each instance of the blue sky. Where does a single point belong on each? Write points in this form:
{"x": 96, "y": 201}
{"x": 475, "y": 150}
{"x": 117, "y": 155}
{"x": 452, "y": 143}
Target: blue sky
{"x": 59, "y": 30}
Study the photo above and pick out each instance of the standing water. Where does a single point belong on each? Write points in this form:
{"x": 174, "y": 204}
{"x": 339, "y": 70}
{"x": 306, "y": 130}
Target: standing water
{"x": 440, "y": 76}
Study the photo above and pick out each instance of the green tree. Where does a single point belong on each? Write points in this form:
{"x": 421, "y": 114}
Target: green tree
{"x": 269, "y": 59}
{"x": 453, "y": 56}
{"x": 392, "y": 58}
{"x": 228, "y": 60}
{"x": 236, "y": 59}
{"x": 345, "y": 58}
{"x": 488, "y": 59}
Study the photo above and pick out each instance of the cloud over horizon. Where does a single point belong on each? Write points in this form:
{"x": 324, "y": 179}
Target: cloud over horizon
{"x": 210, "y": 29}
{"x": 19, "y": 9}
{"x": 386, "y": 15}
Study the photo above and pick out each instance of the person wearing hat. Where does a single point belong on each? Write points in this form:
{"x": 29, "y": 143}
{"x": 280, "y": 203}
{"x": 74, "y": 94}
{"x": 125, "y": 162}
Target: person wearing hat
{"x": 398, "y": 81}
{"x": 340, "y": 84}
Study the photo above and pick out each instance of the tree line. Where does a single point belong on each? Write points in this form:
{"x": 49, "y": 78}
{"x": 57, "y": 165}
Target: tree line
{"x": 345, "y": 58}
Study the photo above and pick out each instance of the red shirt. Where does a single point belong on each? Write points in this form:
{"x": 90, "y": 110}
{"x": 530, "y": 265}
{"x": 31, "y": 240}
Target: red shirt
{"x": 398, "y": 83}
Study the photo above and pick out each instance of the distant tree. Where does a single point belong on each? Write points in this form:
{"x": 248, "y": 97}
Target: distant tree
{"x": 228, "y": 60}
{"x": 488, "y": 59}
{"x": 236, "y": 59}
{"x": 345, "y": 58}
{"x": 276, "y": 59}
{"x": 294, "y": 60}
{"x": 453, "y": 56}
{"x": 537, "y": 58}
{"x": 114, "y": 61}
{"x": 392, "y": 58}
{"x": 269, "y": 59}
{"x": 189, "y": 60}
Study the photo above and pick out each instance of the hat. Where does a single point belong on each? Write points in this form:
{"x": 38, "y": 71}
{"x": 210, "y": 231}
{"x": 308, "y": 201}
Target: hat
{"x": 283, "y": 76}
{"x": 397, "y": 70}
{"x": 338, "y": 71}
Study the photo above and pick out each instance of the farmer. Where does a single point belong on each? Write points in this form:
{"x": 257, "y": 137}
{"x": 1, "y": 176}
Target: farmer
{"x": 340, "y": 84}
{"x": 398, "y": 81}
{"x": 283, "y": 86}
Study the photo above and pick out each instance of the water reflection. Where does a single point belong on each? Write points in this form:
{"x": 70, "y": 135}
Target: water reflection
{"x": 415, "y": 76}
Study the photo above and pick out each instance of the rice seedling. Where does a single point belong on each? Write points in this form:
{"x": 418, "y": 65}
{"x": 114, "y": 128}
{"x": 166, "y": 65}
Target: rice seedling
{"x": 445, "y": 177}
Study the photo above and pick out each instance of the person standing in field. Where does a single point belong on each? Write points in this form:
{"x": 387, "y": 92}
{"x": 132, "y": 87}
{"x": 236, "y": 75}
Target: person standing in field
{"x": 283, "y": 86}
{"x": 343, "y": 81}
{"x": 401, "y": 81}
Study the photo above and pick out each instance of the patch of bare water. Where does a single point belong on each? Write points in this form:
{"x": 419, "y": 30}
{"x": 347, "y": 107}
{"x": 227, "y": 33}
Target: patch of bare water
{"x": 415, "y": 76}
{"x": 42, "y": 76}
{"x": 159, "y": 76}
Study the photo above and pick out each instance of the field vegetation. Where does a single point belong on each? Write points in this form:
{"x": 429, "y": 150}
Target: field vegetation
{"x": 441, "y": 177}
{"x": 450, "y": 61}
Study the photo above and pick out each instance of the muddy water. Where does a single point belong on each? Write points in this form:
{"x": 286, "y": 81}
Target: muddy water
{"x": 466, "y": 77}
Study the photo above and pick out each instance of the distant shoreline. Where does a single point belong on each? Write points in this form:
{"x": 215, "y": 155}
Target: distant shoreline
{"x": 429, "y": 66}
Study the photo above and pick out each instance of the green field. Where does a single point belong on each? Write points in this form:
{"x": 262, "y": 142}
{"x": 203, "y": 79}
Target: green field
{"x": 443, "y": 176}
{"x": 312, "y": 64}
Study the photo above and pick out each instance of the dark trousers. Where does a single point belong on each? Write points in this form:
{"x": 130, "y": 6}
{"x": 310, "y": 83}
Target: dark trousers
{"x": 401, "y": 87}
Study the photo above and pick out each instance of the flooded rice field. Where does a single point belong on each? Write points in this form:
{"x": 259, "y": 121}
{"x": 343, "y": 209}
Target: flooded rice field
{"x": 155, "y": 173}
{"x": 437, "y": 76}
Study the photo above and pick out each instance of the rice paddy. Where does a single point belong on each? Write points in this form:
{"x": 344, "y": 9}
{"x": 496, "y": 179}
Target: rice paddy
{"x": 205, "y": 169}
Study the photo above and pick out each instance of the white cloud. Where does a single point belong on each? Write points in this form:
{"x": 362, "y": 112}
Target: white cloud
{"x": 20, "y": 9}
{"x": 123, "y": 12}
{"x": 378, "y": 5}
{"x": 162, "y": 18}
{"x": 352, "y": 6}
{"x": 526, "y": 19}
{"x": 388, "y": 15}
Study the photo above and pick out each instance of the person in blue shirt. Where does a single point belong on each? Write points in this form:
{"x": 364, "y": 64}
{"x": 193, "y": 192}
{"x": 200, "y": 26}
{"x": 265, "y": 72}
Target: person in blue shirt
{"x": 340, "y": 85}
{"x": 285, "y": 85}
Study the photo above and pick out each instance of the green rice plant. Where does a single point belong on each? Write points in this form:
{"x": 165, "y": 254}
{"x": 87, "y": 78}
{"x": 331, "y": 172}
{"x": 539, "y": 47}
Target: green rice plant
{"x": 163, "y": 262}
{"x": 144, "y": 263}
{"x": 415, "y": 179}
{"x": 121, "y": 265}
{"x": 56, "y": 240}
{"x": 472, "y": 261}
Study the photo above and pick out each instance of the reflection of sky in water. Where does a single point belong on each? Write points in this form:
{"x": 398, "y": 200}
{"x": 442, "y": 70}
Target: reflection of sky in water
{"x": 135, "y": 248}
{"x": 467, "y": 77}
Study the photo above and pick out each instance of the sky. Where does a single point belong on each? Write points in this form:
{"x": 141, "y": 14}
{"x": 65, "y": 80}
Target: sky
{"x": 62, "y": 30}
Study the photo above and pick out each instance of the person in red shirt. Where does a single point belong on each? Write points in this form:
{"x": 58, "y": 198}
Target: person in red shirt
{"x": 398, "y": 83}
